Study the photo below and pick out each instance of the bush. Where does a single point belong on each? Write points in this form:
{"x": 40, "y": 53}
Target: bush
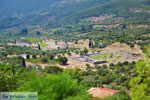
{"x": 111, "y": 64}
{"x": 51, "y": 57}
{"x": 34, "y": 56}
{"x": 53, "y": 69}
{"x": 126, "y": 63}
{"x": 112, "y": 67}
{"x": 104, "y": 66}
{"x": 88, "y": 67}
{"x": 28, "y": 56}
{"x": 62, "y": 60}
{"x": 44, "y": 59}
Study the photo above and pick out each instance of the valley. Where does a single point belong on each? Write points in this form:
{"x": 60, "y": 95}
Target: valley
{"x": 76, "y": 49}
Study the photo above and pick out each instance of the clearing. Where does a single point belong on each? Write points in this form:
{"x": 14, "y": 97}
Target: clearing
{"x": 32, "y": 40}
{"x": 44, "y": 45}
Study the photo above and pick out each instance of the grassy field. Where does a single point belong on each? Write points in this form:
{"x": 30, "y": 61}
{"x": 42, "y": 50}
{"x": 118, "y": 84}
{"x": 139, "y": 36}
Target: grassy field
{"x": 44, "y": 45}
{"x": 38, "y": 60}
{"x": 116, "y": 58}
{"x": 97, "y": 57}
{"x": 32, "y": 40}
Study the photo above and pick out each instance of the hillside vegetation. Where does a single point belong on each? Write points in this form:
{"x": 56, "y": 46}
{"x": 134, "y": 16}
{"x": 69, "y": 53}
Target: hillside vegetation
{"x": 120, "y": 8}
{"x": 48, "y": 12}
{"x": 18, "y": 13}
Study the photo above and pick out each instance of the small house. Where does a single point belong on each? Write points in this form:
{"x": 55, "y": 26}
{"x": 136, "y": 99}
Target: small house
{"x": 99, "y": 92}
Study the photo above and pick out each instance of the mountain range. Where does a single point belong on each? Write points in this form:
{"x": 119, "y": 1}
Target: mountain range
{"x": 14, "y": 13}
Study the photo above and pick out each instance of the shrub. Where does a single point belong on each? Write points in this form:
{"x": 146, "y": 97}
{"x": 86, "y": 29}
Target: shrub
{"x": 44, "y": 59}
{"x": 53, "y": 69}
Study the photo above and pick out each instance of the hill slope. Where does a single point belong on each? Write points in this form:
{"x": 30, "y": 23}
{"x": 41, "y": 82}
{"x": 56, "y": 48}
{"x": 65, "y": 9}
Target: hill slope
{"x": 14, "y": 13}
{"x": 120, "y": 8}
{"x": 40, "y": 11}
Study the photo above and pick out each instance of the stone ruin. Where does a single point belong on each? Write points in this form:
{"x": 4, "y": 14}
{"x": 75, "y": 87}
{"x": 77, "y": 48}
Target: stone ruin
{"x": 87, "y": 58}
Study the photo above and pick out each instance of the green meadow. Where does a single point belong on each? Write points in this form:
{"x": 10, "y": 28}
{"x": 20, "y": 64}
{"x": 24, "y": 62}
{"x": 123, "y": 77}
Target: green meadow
{"x": 32, "y": 40}
{"x": 44, "y": 45}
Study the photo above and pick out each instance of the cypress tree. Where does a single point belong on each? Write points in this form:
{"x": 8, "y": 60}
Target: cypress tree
{"x": 15, "y": 41}
{"x": 23, "y": 62}
{"x": 10, "y": 34}
{"x": 39, "y": 47}
{"x": 90, "y": 44}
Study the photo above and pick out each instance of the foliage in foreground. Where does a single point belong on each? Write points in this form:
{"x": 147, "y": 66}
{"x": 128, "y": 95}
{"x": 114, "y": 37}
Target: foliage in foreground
{"x": 55, "y": 87}
{"x": 140, "y": 85}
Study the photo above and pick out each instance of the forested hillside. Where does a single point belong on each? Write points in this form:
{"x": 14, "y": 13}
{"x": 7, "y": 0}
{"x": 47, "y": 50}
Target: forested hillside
{"x": 34, "y": 12}
{"x": 29, "y": 12}
{"x": 121, "y": 8}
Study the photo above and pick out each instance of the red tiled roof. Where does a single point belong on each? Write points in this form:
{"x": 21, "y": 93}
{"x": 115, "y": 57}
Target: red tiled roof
{"x": 115, "y": 91}
{"x": 101, "y": 92}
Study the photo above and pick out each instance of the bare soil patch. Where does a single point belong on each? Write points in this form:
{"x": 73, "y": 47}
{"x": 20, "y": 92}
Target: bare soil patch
{"x": 81, "y": 44}
{"x": 138, "y": 26}
{"x": 138, "y": 10}
{"x": 106, "y": 26}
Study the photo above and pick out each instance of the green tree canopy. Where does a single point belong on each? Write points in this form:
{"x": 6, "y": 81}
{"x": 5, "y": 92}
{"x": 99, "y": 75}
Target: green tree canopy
{"x": 54, "y": 87}
{"x": 24, "y": 31}
{"x": 44, "y": 59}
{"x": 140, "y": 85}
{"x": 85, "y": 51}
{"x": 62, "y": 60}
{"x": 7, "y": 78}
{"x": 53, "y": 69}
{"x": 75, "y": 73}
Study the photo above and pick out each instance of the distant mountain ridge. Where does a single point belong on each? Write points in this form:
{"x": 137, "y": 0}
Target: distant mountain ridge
{"x": 40, "y": 11}
{"x": 14, "y": 13}
{"x": 8, "y": 7}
